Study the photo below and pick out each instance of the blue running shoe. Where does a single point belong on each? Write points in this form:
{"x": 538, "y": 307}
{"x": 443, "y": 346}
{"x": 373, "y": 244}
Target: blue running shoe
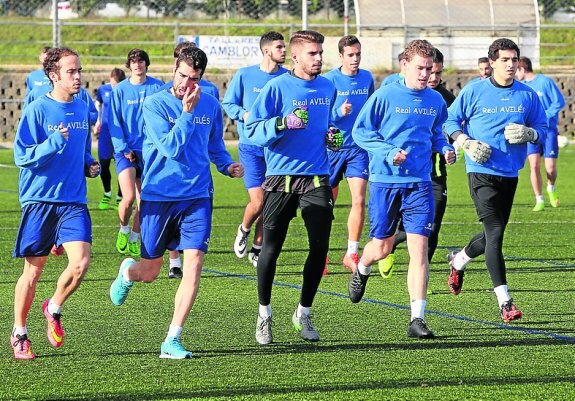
{"x": 172, "y": 348}
{"x": 120, "y": 288}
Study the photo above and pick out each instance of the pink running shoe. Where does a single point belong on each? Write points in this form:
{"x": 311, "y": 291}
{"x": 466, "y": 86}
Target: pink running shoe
{"x": 54, "y": 331}
{"x": 21, "y": 346}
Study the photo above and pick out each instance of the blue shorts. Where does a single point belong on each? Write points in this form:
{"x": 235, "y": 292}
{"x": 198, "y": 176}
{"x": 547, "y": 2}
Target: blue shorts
{"x": 351, "y": 163}
{"x": 549, "y": 149}
{"x": 176, "y": 225}
{"x": 388, "y": 204}
{"x": 105, "y": 147}
{"x": 123, "y": 163}
{"x": 254, "y": 162}
{"x": 46, "y": 224}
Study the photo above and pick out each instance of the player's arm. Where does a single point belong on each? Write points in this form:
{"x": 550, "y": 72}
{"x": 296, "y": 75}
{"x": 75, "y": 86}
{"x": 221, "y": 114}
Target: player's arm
{"x": 33, "y": 147}
{"x": 367, "y": 133}
{"x": 232, "y": 102}
{"x": 91, "y": 165}
{"x": 217, "y": 151}
{"x": 557, "y": 100}
{"x": 263, "y": 119}
{"x": 116, "y": 125}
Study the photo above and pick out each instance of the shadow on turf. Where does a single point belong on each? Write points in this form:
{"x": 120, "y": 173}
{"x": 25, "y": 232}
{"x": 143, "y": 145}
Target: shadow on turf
{"x": 299, "y": 391}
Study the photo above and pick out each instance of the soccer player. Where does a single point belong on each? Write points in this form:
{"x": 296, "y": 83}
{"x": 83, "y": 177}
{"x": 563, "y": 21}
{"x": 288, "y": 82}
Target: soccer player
{"x": 400, "y": 126}
{"x": 290, "y": 118}
{"x": 501, "y": 115}
{"x": 182, "y": 129}
{"x": 175, "y": 264}
{"x": 53, "y": 150}
{"x": 553, "y": 102}
{"x": 102, "y": 132}
{"x": 485, "y": 69}
{"x": 438, "y": 180}
{"x": 242, "y": 91}
{"x": 38, "y": 77}
{"x": 398, "y": 76}
{"x": 83, "y": 95}
{"x": 354, "y": 86}
{"x": 126, "y": 129}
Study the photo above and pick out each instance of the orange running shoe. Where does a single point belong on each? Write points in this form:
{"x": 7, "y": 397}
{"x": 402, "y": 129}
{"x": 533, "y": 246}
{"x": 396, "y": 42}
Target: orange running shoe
{"x": 54, "y": 331}
{"x": 350, "y": 261}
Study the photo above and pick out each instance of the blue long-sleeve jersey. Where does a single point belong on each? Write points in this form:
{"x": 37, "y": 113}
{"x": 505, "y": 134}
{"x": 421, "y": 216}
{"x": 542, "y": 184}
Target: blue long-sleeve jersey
{"x": 242, "y": 91}
{"x": 103, "y": 96}
{"x": 356, "y": 89}
{"x": 35, "y": 79}
{"x": 486, "y": 108}
{"x": 178, "y": 147}
{"x": 126, "y": 123}
{"x": 53, "y": 169}
{"x": 297, "y": 151}
{"x": 40, "y": 91}
{"x": 398, "y": 118}
{"x": 551, "y": 97}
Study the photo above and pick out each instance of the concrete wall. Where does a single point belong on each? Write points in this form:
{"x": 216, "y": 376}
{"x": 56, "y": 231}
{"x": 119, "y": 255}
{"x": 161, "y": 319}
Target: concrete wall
{"x": 12, "y": 91}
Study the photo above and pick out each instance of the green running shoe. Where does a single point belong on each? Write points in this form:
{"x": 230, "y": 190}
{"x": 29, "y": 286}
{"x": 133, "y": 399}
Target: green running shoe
{"x": 105, "y": 202}
{"x": 134, "y": 249}
{"x": 386, "y": 265}
{"x": 539, "y": 206}
{"x": 553, "y": 198}
{"x": 122, "y": 243}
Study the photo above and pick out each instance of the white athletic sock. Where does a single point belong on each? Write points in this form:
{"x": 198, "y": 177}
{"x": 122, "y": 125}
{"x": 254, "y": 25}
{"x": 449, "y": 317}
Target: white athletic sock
{"x": 245, "y": 230}
{"x": 301, "y": 310}
{"x": 365, "y": 270}
{"x": 550, "y": 188}
{"x": 175, "y": 262}
{"x": 461, "y": 260}
{"x": 134, "y": 237}
{"x": 539, "y": 199}
{"x": 174, "y": 331}
{"x": 352, "y": 247}
{"x": 502, "y": 294}
{"x": 108, "y": 194}
{"x": 265, "y": 311}
{"x": 125, "y": 229}
{"x": 53, "y": 307}
{"x": 19, "y": 331}
{"x": 256, "y": 247}
{"x": 125, "y": 275}
{"x": 418, "y": 308}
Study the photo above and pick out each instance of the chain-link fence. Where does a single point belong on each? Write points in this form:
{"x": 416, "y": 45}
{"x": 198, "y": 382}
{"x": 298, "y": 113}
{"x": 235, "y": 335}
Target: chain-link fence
{"x": 180, "y": 9}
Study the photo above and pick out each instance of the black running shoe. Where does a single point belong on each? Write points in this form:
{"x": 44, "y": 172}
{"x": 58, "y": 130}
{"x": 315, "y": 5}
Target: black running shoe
{"x": 356, "y": 287}
{"x": 418, "y": 329}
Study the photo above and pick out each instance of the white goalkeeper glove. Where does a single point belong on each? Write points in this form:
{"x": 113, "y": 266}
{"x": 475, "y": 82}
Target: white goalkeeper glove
{"x": 517, "y": 133}
{"x": 477, "y": 151}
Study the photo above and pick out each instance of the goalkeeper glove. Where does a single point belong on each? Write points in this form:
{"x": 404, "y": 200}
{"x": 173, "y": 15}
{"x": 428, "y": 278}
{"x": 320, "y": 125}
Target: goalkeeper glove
{"x": 517, "y": 133}
{"x": 477, "y": 151}
{"x": 334, "y": 138}
{"x": 297, "y": 119}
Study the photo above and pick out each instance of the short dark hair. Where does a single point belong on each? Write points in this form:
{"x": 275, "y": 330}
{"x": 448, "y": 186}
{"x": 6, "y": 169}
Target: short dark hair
{"x": 501, "y": 44}
{"x": 348, "y": 40}
{"x": 525, "y": 63}
{"x": 53, "y": 57}
{"x": 437, "y": 56}
{"x": 401, "y": 56}
{"x": 137, "y": 55}
{"x": 269, "y": 37}
{"x": 118, "y": 74}
{"x": 194, "y": 57}
{"x": 300, "y": 37}
{"x": 181, "y": 46}
{"x": 45, "y": 49}
{"x": 481, "y": 60}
